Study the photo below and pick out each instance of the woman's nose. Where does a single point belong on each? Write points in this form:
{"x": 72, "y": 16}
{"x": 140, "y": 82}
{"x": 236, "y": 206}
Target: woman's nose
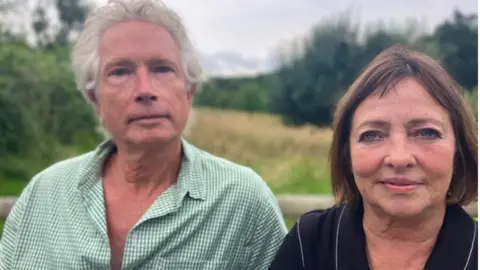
{"x": 399, "y": 155}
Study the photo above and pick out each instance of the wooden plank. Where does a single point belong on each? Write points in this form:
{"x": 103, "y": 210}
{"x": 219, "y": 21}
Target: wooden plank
{"x": 6, "y": 203}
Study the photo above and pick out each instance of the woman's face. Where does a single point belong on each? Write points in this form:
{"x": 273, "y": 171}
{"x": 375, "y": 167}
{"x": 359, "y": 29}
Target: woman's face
{"x": 402, "y": 149}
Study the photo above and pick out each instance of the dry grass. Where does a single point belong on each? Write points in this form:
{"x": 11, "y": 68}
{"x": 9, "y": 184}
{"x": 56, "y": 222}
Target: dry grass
{"x": 261, "y": 141}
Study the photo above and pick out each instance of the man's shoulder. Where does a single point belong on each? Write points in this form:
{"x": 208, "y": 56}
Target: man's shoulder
{"x": 239, "y": 180}
{"x": 67, "y": 167}
{"x": 60, "y": 173}
{"x": 54, "y": 183}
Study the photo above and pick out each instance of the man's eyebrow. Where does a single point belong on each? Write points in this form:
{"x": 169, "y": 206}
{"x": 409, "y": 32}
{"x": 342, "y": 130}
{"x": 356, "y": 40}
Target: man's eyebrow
{"x": 116, "y": 62}
{"x": 161, "y": 61}
{"x": 126, "y": 62}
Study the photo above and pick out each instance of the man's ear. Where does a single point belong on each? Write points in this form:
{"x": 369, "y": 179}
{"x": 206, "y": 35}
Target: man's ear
{"x": 93, "y": 98}
{"x": 190, "y": 93}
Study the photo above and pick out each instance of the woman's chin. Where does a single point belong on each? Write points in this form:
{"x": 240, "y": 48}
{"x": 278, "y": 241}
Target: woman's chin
{"x": 404, "y": 208}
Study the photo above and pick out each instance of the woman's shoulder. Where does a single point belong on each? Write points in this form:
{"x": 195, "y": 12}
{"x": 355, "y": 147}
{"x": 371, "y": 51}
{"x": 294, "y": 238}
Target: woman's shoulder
{"x": 310, "y": 242}
{"x": 319, "y": 220}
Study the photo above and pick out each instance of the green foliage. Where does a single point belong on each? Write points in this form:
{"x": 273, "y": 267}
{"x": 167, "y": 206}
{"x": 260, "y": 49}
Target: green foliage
{"x": 244, "y": 94}
{"x": 305, "y": 177}
{"x": 14, "y": 132}
{"x": 41, "y": 112}
{"x": 12, "y": 187}
{"x": 313, "y": 81}
{"x": 72, "y": 14}
{"x": 330, "y": 60}
{"x": 2, "y": 223}
{"x": 457, "y": 39}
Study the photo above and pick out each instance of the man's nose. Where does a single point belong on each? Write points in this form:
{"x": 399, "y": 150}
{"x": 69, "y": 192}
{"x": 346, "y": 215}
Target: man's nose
{"x": 399, "y": 156}
{"x": 144, "y": 92}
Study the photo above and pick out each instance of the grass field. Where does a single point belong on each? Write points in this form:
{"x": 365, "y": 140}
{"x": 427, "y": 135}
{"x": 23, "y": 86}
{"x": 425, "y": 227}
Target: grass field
{"x": 291, "y": 160}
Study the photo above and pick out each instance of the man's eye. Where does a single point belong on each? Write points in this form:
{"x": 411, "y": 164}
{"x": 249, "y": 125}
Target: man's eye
{"x": 119, "y": 72}
{"x": 162, "y": 69}
{"x": 369, "y": 136}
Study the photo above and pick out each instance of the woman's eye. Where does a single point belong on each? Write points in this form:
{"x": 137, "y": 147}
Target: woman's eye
{"x": 370, "y": 136}
{"x": 428, "y": 133}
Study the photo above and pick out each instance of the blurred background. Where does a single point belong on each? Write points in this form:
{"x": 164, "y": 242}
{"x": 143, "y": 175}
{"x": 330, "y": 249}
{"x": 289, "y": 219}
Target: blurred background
{"x": 275, "y": 68}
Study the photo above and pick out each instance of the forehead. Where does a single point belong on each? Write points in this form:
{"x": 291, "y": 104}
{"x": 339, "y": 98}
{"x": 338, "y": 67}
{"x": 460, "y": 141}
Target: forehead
{"x": 137, "y": 40}
{"x": 407, "y": 100}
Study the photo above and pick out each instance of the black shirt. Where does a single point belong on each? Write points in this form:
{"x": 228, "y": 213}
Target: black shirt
{"x": 334, "y": 239}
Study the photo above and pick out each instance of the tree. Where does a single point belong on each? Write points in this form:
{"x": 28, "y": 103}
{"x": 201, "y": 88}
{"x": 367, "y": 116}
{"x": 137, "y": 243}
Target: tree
{"x": 40, "y": 96}
{"x": 72, "y": 15}
{"x": 313, "y": 80}
{"x": 458, "y": 44}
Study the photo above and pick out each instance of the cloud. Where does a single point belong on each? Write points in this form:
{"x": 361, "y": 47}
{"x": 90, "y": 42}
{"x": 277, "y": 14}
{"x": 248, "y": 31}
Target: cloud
{"x": 240, "y": 36}
{"x": 234, "y": 64}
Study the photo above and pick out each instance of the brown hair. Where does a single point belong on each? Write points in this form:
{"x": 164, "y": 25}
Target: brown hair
{"x": 382, "y": 73}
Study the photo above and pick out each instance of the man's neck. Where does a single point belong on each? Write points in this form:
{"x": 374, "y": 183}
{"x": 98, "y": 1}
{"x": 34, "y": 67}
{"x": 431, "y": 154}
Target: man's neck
{"x": 145, "y": 170}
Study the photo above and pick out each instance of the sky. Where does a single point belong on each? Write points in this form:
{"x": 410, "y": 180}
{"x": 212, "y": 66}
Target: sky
{"x": 239, "y": 37}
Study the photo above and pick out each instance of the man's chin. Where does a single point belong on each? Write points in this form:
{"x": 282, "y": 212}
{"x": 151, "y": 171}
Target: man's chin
{"x": 148, "y": 138}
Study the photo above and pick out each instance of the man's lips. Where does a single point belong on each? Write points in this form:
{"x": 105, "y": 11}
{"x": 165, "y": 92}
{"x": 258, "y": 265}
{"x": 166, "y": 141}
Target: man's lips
{"x": 147, "y": 117}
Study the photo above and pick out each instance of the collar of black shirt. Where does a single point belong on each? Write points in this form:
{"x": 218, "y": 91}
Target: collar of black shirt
{"x": 456, "y": 244}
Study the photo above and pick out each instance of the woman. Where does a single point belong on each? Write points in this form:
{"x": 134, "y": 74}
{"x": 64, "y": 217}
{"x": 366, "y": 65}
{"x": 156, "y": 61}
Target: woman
{"x": 403, "y": 163}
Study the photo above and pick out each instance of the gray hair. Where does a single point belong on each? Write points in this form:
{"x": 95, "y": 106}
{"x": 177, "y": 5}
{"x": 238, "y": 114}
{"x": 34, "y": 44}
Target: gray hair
{"x": 85, "y": 58}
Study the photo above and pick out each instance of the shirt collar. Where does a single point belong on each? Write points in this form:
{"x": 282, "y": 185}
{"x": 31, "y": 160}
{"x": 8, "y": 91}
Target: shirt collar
{"x": 456, "y": 242}
{"x": 190, "y": 181}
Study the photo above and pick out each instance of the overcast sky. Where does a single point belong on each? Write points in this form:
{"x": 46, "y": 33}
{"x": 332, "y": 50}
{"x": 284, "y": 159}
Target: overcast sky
{"x": 239, "y": 36}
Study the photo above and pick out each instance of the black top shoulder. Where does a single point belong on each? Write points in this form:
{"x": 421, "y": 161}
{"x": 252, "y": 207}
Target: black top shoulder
{"x": 310, "y": 242}
{"x": 334, "y": 239}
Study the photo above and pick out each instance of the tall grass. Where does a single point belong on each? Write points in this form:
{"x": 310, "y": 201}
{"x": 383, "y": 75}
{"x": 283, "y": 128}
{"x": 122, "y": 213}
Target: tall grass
{"x": 291, "y": 160}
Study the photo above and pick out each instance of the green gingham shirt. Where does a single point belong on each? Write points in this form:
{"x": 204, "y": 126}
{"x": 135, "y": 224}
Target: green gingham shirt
{"x": 219, "y": 215}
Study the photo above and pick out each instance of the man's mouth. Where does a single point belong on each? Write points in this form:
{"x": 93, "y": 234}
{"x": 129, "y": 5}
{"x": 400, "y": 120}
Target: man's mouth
{"x": 147, "y": 118}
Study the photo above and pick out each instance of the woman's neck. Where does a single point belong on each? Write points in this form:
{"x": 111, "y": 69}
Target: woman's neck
{"x": 405, "y": 243}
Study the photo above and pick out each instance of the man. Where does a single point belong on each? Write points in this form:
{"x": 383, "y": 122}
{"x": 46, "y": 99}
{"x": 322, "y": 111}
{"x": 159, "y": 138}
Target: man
{"x": 146, "y": 198}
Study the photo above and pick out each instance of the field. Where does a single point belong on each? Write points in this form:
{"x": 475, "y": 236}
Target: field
{"x": 291, "y": 160}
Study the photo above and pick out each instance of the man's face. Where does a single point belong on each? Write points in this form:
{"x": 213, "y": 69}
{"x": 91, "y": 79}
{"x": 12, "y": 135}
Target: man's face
{"x": 142, "y": 95}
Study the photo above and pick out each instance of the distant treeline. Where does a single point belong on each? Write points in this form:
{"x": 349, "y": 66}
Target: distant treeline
{"x": 43, "y": 117}
{"x": 318, "y": 69}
